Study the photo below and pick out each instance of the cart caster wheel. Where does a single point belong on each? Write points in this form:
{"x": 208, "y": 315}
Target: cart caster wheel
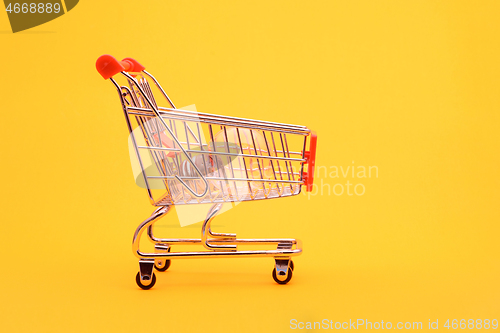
{"x": 162, "y": 265}
{"x": 288, "y": 278}
{"x": 145, "y": 284}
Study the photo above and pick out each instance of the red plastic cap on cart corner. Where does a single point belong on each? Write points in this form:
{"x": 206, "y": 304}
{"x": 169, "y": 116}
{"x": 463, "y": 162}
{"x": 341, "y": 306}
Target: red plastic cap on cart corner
{"x": 136, "y": 66}
{"x": 108, "y": 66}
{"x": 311, "y": 161}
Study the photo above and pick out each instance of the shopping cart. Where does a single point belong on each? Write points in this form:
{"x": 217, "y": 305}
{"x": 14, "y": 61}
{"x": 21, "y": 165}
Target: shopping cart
{"x": 186, "y": 157}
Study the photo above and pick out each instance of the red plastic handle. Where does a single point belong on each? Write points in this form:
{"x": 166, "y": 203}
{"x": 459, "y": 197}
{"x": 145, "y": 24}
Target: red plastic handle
{"x": 311, "y": 160}
{"x": 108, "y": 66}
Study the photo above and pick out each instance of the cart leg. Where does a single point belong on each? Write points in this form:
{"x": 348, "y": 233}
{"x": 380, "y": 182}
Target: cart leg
{"x": 162, "y": 264}
{"x": 150, "y": 228}
{"x": 206, "y": 231}
{"x": 283, "y": 270}
{"x": 146, "y": 279}
{"x": 147, "y": 224}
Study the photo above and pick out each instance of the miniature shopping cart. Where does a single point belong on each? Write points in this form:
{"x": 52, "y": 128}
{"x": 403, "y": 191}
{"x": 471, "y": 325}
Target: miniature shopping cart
{"x": 185, "y": 157}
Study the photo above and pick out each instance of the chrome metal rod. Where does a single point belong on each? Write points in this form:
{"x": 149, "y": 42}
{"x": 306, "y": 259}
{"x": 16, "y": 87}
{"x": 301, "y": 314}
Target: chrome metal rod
{"x": 238, "y": 241}
{"x": 284, "y": 244}
{"x": 219, "y": 121}
{"x": 157, "y": 214}
{"x": 155, "y": 110}
{"x": 129, "y": 126}
{"x": 161, "y": 89}
{"x": 229, "y": 118}
{"x": 234, "y": 179}
{"x": 205, "y": 231}
{"x": 222, "y": 254}
{"x": 226, "y": 154}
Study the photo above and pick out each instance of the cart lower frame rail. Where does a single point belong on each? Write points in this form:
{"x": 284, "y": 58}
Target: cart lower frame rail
{"x": 219, "y": 245}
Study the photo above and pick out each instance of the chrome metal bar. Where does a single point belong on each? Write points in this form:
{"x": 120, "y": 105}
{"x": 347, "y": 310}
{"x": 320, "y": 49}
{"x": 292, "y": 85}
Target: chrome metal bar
{"x": 272, "y": 165}
{"x": 193, "y": 135}
{"x": 155, "y": 110}
{"x": 229, "y": 162}
{"x": 205, "y": 160}
{"x": 205, "y": 231}
{"x": 135, "y": 101}
{"x": 173, "y": 127}
{"x": 222, "y": 235}
{"x": 216, "y": 159}
{"x": 290, "y": 163}
{"x": 189, "y": 148}
{"x": 284, "y": 155}
{"x": 255, "y": 197}
{"x": 244, "y": 163}
{"x": 223, "y": 254}
{"x": 177, "y": 159}
{"x": 124, "y": 107}
{"x": 148, "y": 132}
{"x": 160, "y": 88}
{"x": 234, "y": 179}
{"x": 277, "y": 162}
{"x": 237, "y": 119}
{"x": 157, "y": 214}
{"x": 238, "y": 241}
{"x": 222, "y": 121}
{"x": 284, "y": 250}
{"x": 258, "y": 162}
{"x": 226, "y": 154}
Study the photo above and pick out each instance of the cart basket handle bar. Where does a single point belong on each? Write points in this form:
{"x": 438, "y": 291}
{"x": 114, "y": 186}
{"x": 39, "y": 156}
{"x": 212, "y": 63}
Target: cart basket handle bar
{"x": 108, "y": 66}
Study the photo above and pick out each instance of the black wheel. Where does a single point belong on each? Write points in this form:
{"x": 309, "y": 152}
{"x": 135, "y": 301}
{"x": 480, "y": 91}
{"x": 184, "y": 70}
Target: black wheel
{"x": 289, "y": 277}
{"x": 148, "y": 286}
{"x": 292, "y": 266}
{"x": 164, "y": 268}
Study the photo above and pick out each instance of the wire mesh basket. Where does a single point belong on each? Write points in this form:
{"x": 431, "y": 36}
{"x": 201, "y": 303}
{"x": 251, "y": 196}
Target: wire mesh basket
{"x": 184, "y": 157}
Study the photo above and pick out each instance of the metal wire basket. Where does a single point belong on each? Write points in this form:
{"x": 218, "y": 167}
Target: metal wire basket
{"x": 184, "y": 157}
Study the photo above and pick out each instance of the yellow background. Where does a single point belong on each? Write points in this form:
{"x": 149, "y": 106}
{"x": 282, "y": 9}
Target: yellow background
{"x": 408, "y": 86}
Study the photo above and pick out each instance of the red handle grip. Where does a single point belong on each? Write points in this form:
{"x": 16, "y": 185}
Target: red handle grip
{"x": 108, "y": 66}
{"x": 311, "y": 160}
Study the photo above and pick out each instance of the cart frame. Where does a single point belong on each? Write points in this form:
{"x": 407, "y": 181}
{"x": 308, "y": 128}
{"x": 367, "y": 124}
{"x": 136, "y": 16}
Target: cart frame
{"x": 217, "y": 245}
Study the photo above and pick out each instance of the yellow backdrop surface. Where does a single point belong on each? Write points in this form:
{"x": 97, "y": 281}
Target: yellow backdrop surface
{"x": 407, "y": 87}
